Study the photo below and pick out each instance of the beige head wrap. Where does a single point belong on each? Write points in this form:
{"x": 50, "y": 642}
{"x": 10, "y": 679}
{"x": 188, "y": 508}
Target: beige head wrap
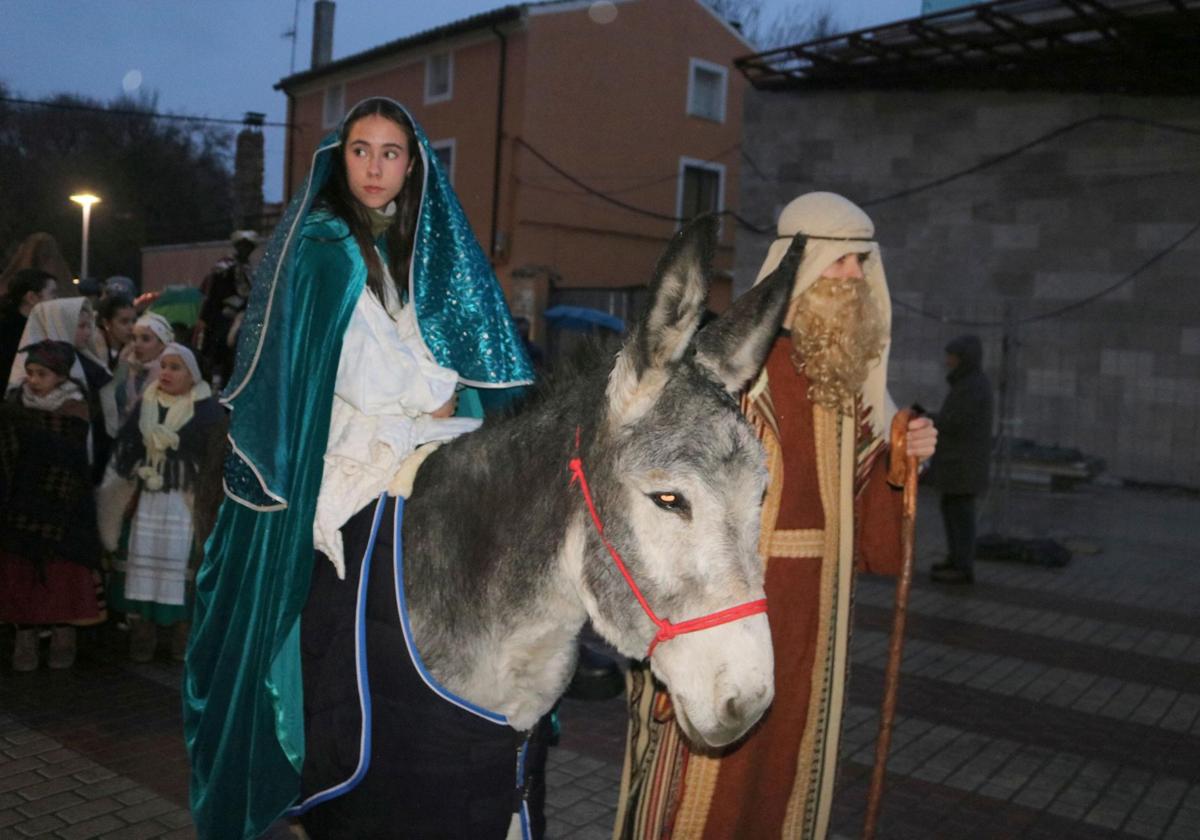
{"x": 836, "y": 226}
{"x": 158, "y": 325}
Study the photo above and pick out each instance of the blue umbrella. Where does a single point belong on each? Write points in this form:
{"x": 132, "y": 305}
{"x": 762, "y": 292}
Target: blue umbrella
{"x": 583, "y": 319}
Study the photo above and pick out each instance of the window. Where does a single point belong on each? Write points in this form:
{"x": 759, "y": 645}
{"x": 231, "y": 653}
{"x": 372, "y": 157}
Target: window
{"x": 444, "y": 149}
{"x": 701, "y": 188}
{"x": 706, "y": 90}
{"x": 335, "y": 105}
{"x": 439, "y": 77}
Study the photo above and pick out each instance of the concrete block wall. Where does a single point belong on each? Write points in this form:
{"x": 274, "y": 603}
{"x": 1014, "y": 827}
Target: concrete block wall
{"x": 1118, "y": 377}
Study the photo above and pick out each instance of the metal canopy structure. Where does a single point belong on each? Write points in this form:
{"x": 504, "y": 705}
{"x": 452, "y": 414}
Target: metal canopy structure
{"x": 1099, "y": 46}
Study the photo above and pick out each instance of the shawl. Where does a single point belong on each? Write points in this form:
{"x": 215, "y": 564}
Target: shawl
{"x": 160, "y": 420}
{"x": 52, "y": 401}
{"x": 47, "y": 510}
{"x": 243, "y": 690}
{"x": 177, "y": 465}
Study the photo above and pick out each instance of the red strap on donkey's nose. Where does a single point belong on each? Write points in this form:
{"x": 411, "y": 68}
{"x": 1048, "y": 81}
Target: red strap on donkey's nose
{"x": 666, "y": 630}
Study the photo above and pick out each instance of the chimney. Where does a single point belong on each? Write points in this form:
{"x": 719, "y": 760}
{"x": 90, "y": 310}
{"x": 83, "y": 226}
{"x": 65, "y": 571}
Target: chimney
{"x": 248, "y": 173}
{"x": 322, "y": 50}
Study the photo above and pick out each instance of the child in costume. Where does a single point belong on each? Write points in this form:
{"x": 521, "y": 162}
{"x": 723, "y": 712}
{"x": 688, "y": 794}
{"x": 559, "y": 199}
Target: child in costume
{"x": 138, "y": 362}
{"x": 72, "y": 320}
{"x": 160, "y": 454}
{"x": 372, "y": 305}
{"x": 49, "y": 553}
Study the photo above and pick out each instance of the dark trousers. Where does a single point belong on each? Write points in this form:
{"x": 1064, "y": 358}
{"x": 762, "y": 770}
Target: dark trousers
{"x": 958, "y": 515}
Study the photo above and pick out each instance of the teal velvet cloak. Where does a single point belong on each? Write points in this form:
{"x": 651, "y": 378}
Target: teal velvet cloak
{"x": 243, "y": 694}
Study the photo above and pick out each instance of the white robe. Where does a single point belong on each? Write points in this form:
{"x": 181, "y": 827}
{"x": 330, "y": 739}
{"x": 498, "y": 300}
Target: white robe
{"x": 387, "y": 385}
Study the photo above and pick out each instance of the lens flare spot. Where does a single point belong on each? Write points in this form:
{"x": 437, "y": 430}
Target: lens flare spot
{"x": 132, "y": 81}
{"x": 603, "y": 11}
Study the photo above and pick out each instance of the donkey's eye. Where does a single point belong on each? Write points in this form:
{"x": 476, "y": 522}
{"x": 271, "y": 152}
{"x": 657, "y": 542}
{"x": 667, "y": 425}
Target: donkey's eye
{"x": 673, "y": 502}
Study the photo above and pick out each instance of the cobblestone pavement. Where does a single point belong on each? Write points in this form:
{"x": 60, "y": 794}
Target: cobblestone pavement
{"x": 1039, "y": 703}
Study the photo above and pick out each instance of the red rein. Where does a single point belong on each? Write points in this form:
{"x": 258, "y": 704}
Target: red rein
{"x": 666, "y": 630}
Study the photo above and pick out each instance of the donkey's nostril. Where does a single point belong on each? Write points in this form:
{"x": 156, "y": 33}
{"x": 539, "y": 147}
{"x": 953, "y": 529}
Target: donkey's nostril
{"x": 734, "y": 711}
{"x": 740, "y": 706}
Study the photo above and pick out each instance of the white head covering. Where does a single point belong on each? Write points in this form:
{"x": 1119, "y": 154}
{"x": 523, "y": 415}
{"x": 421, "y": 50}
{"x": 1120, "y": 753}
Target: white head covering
{"x": 158, "y": 325}
{"x": 162, "y": 433}
{"x": 836, "y": 226}
{"x": 56, "y": 320}
{"x": 189, "y": 360}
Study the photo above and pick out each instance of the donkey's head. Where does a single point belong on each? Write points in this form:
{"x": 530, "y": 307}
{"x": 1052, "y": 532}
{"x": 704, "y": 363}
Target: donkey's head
{"x": 678, "y": 478}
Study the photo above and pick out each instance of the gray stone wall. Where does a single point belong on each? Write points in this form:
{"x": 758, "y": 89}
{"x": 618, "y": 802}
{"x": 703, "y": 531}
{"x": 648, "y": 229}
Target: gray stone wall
{"x": 1119, "y": 377}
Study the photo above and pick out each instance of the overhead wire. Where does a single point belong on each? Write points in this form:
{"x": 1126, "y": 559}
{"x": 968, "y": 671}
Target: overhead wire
{"x": 1024, "y": 147}
{"x": 1061, "y": 310}
{"x": 624, "y": 205}
{"x": 134, "y": 112}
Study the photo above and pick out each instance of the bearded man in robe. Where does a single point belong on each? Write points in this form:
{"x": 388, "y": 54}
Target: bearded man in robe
{"x": 822, "y": 411}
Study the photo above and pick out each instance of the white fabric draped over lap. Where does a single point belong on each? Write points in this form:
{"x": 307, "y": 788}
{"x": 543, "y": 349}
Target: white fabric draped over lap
{"x": 387, "y": 385}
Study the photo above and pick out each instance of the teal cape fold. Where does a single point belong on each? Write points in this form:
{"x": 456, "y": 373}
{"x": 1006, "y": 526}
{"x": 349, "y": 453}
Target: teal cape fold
{"x": 243, "y": 698}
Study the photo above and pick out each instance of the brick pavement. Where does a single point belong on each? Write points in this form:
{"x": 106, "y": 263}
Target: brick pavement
{"x": 1039, "y": 703}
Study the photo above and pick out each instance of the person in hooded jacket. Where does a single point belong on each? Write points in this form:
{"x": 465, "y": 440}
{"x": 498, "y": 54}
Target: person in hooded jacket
{"x": 962, "y": 462}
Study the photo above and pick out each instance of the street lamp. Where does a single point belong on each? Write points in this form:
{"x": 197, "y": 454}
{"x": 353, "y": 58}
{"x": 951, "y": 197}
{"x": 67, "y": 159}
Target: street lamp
{"x": 85, "y": 200}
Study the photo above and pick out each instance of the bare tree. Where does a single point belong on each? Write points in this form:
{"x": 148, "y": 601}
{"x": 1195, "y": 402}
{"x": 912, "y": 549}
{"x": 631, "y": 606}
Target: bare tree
{"x": 161, "y": 180}
{"x": 799, "y": 21}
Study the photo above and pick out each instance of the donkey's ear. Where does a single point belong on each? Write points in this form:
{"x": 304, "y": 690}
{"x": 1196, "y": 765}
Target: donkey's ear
{"x": 733, "y": 347}
{"x": 666, "y": 327}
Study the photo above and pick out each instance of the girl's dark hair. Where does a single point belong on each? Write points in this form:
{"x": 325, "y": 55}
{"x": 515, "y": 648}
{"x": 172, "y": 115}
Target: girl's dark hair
{"x": 336, "y": 197}
{"x": 23, "y": 282}
{"x": 110, "y": 305}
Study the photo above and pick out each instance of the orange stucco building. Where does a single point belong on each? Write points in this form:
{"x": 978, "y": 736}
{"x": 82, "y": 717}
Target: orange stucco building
{"x": 576, "y": 132}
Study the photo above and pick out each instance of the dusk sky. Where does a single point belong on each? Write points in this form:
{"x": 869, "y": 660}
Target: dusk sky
{"x": 221, "y": 58}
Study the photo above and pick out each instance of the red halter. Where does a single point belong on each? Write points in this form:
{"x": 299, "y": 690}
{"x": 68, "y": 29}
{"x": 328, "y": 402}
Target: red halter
{"x": 666, "y": 629}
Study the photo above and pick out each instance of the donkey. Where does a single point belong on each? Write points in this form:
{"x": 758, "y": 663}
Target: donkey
{"x": 514, "y": 535}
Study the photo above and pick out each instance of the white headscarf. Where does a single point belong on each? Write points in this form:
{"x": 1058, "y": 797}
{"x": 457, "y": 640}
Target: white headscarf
{"x": 56, "y": 320}
{"x": 836, "y": 226}
{"x": 158, "y": 436}
{"x": 188, "y": 357}
{"x": 158, "y": 325}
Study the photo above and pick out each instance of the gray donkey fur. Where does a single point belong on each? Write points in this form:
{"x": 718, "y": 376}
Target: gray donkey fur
{"x": 502, "y": 563}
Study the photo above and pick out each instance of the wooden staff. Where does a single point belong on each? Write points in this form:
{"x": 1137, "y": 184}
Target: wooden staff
{"x": 902, "y": 471}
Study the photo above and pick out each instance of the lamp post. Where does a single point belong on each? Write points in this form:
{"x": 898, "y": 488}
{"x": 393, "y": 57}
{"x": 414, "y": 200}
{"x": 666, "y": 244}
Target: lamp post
{"x": 85, "y": 200}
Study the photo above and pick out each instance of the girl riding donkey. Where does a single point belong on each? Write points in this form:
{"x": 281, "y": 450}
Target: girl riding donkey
{"x": 371, "y": 306}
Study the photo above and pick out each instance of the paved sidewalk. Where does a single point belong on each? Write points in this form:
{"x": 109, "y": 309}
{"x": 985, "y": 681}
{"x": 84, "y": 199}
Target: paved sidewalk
{"x": 1039, "y": 703}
